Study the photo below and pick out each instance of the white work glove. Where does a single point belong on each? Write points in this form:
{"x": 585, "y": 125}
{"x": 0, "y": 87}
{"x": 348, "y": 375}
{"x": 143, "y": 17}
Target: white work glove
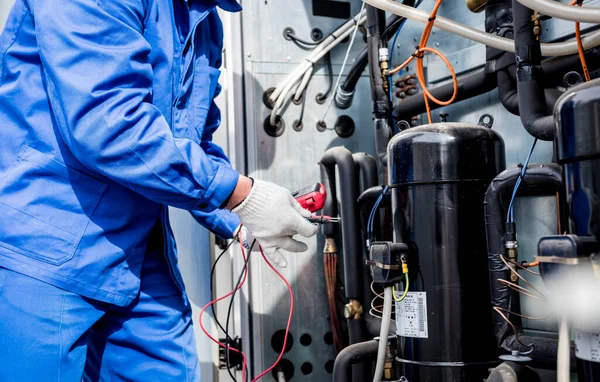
{"x": 272, "y": 216}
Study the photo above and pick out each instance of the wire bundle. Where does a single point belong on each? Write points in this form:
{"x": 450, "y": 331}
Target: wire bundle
{"x": 304, "y": 71}
{"x": 530, "y": 292}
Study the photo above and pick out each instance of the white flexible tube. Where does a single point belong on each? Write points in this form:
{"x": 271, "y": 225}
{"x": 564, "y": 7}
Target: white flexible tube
{"x": 383, "y": 333}
{"x": 318, "y": 53}
{"x": 279, "y": 103}
{"x": 564, "y": 11}
{"x": 554, "y": 49}
{"x": 333, "y": 38}
{"x": 280, "y": 93}
{"x": 303, "y": 84}
{"x": 563, "y": 359}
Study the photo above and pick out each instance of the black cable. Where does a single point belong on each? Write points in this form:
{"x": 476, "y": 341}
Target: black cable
{"x": 237, "y": 285}
{"x": 392, "y": 26}
{"x": 298, "y": 41}
{"x": 212, "y": 277}
{"x": 227, "y": 337}
{"x": 299, "y": 122}
{"x": 321, "y": 97}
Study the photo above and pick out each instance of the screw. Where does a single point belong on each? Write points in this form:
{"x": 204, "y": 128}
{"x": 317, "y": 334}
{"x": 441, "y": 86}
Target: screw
{"x": 248, "y": 54}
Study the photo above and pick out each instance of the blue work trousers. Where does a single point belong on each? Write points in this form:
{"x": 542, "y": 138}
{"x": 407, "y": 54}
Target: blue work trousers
{"x": 49, "y": 334}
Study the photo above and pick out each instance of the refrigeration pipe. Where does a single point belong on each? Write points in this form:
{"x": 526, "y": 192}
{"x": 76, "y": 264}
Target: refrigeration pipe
{"x": 352, "y": 355}
{"x": 366, "y": 166}
{"x": 530, "y": 76}
{"x": 345, "y": 93}
{"x": 541, "y": 179}
{"x": 342, "y": 158}
{"x": 352, "y": 248}
{"x": 507, "y": 90}
{"x": 481, "y": 81}
{"x": 544, "y": 351}
{"x": 366, "y": 170}
{"x": 375, "y": 25}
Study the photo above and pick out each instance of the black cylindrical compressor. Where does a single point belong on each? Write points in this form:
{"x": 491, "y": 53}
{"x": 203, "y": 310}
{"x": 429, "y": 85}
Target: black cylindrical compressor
{"x": 438, "y": 174}
{"x": 577, "y": 115}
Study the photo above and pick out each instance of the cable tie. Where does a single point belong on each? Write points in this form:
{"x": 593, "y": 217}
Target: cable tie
{"x": 431, "y": 19}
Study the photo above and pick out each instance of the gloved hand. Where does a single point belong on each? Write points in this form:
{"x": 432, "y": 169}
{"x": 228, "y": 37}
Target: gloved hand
{"x": 272, "y": 216}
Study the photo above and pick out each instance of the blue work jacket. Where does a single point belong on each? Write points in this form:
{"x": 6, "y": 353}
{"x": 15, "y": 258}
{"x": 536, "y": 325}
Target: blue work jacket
{"x": 106, "y": 118}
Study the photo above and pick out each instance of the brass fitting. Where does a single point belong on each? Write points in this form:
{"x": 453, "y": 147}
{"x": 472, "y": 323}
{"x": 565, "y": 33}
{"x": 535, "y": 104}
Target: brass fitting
{"x": 513, "y": 254}
{"x": 537, "y": 26}
{"x": 384, "y": 65}
{"x": 330, "y": 246}
{"x": 353, "y": 310}
{"x": 388, "y": 366}
{"x": 476, "y": 6}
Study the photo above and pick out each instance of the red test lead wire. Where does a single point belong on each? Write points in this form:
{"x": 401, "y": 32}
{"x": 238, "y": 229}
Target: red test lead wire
{"x": 287, "y": 328}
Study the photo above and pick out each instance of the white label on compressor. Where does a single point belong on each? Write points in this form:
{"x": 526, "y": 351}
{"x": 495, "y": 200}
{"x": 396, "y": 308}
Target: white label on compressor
{"x": 411, "y": 315}
{"x": 587, "y": 346}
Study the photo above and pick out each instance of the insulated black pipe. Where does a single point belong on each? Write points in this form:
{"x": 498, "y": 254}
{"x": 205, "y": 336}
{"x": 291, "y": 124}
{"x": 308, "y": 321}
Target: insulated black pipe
{"x": 530, "y": 76}
{"x": 379, "y": 96}
{"x": 540, "y": 179}
{"x": 358, "y": 67}
{"x": 342, "y": 158}
{"x": 507, "y": 90}
{"x": 366, "y": 165}
{"x": 543, "y": 355}
{"x": 330, "y": 208}
{"x": 375, "y": 27}
{"x": 351, "y": 355}
{"x": 351, "y": 239}
{"x": 366, "y": 169}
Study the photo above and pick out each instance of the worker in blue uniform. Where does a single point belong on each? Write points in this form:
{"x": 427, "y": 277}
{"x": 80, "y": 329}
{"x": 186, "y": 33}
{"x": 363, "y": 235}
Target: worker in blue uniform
{"x": 106, "y": 118}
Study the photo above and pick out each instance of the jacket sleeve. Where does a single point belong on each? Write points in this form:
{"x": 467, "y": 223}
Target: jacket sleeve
{"x": 99, "y": 80}
{"x": 222, "y": 223}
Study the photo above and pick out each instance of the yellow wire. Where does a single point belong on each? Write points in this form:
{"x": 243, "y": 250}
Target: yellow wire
{"x": 405, "y": 290}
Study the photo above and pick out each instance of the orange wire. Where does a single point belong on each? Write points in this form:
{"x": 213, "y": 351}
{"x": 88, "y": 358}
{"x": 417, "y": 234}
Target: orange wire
{"x": 419, "y": 54}
{"x": 580, "y": 49}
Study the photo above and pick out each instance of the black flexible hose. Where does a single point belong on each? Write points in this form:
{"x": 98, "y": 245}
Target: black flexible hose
{"x": 543, "y": 355}
{"x": 541, "y": 179}
{"x": 358, "y": 67}
{"x": 530, "y": 76}
{"x": 351, "y": 355}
